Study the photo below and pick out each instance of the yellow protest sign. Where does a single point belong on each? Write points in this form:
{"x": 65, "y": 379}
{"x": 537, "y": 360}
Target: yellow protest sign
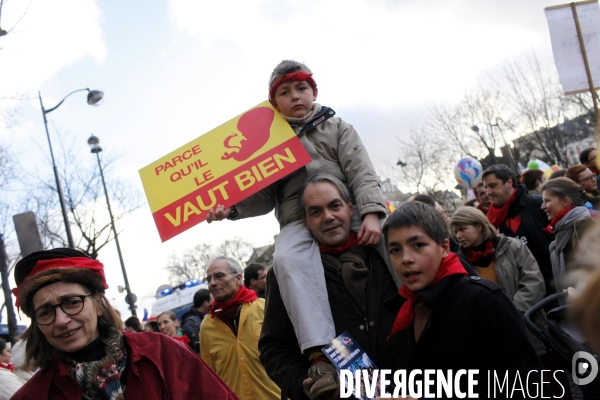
{"x": 223, "y": 166}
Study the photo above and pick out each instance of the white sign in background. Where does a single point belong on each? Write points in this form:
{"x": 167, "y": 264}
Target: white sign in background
{"x": 565, "y": 44}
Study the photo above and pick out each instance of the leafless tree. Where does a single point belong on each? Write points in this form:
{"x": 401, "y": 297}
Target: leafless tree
{"x": 84, "y": 198}
{"x": 192, "y": 262}
{"x": 541, "y": 114}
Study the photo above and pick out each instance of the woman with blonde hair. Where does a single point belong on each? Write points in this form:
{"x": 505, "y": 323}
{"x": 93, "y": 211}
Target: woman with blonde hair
{"x": 168, "y": 324}
{"x": 503, "y": 260}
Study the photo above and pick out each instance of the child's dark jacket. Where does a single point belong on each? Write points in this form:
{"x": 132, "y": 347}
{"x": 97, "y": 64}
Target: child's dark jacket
{"x": 473, "y": 325}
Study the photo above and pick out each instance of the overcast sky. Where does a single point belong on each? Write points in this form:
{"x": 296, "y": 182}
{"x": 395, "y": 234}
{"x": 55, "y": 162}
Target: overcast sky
{"x": 173, "y": 70}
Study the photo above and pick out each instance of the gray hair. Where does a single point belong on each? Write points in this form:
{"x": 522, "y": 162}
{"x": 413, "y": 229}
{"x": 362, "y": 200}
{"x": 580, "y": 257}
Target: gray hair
{"x": 323, "y": 178}
{"x": 235, "y": 266}
{"x": 285, "y": 67}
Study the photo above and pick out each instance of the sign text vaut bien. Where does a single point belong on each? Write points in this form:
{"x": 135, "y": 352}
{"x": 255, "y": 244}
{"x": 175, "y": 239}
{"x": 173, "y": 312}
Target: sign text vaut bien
{"x": 223, "y": 166}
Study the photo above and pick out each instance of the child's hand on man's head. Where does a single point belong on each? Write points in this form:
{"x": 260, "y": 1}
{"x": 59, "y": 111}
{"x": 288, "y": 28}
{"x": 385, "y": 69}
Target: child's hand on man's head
{"x": 217, "y": 214}
{"x": 370, "y": 230}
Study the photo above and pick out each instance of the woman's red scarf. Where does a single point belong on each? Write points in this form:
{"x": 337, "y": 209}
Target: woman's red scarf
{"x": 475, "y": 256}
{"x": 556, "y": 220}
{"x": 9, "y": 367}
{"x": 244, "y": 295}
{"x": 350, "y": 243}
{"x": 450, "y": 266}
{"x": 497, "y": 215}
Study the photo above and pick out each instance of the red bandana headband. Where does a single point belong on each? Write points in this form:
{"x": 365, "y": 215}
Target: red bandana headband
{"x": 70, "y": 262}
{"x": 294, "y": 77}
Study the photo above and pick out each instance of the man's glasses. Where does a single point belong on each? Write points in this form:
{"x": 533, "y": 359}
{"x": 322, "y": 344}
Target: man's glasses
{"x": 70, "y": 306}
{"x": 592, "y": 177}
{"x": 217, "y": 277}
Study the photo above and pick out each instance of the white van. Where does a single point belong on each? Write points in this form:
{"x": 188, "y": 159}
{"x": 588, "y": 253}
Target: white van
{"x": 178, "y": 299}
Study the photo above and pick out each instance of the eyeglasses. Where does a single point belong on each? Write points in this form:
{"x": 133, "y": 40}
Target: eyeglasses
{"x": 70, "y": 306}
{"x": 592, "y": 177}
{"x": 217, "y": 277}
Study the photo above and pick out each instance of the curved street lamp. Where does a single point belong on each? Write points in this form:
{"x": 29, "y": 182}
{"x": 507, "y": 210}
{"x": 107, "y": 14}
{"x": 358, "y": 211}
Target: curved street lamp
{"x": 131, "y": 298}
{"x": 93, "y": 98}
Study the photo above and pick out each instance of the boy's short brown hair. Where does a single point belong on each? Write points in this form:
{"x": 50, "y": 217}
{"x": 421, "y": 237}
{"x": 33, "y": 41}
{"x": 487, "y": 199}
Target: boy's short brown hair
{"x": 421, "y": 215}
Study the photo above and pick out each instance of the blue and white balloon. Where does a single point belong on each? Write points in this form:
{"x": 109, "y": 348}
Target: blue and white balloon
{"x": 467, "y": 172}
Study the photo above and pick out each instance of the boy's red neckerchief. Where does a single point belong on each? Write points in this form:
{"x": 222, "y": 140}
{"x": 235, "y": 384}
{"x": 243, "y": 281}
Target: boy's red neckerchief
{"x": 450, "y": 266}
{"x": 555, "y": 220}
{"x": 497, "y": 215}
{"x": 475, "y": 256}
{"x": 243, "y": 295}
{"x": 294, "y": 77}
{"x": 350, "y": 243}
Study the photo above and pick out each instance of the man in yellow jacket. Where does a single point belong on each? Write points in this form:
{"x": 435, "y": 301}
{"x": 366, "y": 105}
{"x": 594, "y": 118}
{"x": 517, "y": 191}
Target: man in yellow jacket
{"x": 229, "y": 335}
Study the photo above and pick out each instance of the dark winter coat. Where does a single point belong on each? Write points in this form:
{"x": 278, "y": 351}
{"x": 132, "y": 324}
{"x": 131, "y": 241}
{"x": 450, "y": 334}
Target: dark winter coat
{"x": 525, "y": 221}
{"x": 190, "y": 325}
{"x": 473, "y": 325}
{"x": 279, "y": 351}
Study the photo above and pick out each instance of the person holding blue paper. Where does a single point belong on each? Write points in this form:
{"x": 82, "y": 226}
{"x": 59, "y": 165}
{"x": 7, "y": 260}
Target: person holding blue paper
{"x": 357, "y": 280}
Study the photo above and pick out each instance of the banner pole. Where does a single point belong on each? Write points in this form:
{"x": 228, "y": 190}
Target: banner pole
{"x": 587, "y": 67}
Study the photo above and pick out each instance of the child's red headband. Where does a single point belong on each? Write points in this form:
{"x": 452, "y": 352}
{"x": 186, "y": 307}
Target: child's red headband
{"x": 294, "y": 77}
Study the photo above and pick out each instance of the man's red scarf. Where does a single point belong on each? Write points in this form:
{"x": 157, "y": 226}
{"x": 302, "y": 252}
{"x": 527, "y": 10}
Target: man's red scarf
{"x": 450, "y": 266}
{"x": 244, "y": 295}
{"x": 8, "y": 366}
{"x": 497, "y": 215}
{"x": 350, "y": 243}
{"x": 475, "y": 256}
{"x": 294, "y": 77}
{"x": 483, "y": 209}
{"x": 556, "y": 220}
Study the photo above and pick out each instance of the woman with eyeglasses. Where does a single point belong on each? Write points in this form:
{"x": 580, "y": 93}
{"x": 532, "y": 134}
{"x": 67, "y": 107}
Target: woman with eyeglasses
{"x": 75, "y": 338}
{"x": 564, "y": 203}
{"x": 586, "y": 179}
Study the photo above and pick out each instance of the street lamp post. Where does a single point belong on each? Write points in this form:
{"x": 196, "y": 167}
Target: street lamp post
{"x": 94, "y": 96}
{"x": 94, "y": 143}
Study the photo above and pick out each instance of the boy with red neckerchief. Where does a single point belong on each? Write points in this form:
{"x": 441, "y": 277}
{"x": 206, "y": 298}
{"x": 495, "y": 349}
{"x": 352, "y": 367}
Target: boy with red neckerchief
{"x": 518, "y": 214}
{"x": 336, "y": 149}
{"x": 447, "y": 320}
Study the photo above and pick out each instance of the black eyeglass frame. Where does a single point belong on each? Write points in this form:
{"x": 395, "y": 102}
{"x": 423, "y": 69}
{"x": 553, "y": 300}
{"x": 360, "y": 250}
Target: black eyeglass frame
{"x": 53, "y": 308}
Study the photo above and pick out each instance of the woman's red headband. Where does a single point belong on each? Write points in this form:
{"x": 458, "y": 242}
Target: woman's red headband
{"x": 294, "y": 77}
{"x": 71, "y": 262}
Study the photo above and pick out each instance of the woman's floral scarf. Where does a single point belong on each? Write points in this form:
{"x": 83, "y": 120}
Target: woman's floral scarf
{"x": 101, "y": 380}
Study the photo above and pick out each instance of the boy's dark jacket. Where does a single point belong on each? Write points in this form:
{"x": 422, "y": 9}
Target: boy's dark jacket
{"x": 532, "y": 220}
{"x": 279, "y": 350}
{"x": 473, "y": 325}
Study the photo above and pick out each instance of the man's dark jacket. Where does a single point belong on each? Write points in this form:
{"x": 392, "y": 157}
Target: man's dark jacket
{"x": 473, "y": 325}
{"x": 279, "y": 351}
{"x": 528, "y": 227}
{"x": 190, "y": 325}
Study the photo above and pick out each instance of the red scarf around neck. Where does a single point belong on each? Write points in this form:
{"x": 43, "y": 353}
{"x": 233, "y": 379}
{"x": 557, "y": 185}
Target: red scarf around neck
{"x": 244, "y": 295}
{"x": 475, "y": 256}
{"x": 556, "y": 220}
{"x": 350, "y": 243}
{"x": 450, "y": 266}
{"x": 9, "y": 367}
{"x": 497, "y": 215}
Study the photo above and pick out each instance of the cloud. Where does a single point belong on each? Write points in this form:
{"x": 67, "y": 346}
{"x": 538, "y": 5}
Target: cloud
{"x": 47, "y": 36}
{"x": 382, "y": 53}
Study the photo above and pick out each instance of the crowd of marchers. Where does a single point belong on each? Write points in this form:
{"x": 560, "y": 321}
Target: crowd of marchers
{"x": 417, "y": 289}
